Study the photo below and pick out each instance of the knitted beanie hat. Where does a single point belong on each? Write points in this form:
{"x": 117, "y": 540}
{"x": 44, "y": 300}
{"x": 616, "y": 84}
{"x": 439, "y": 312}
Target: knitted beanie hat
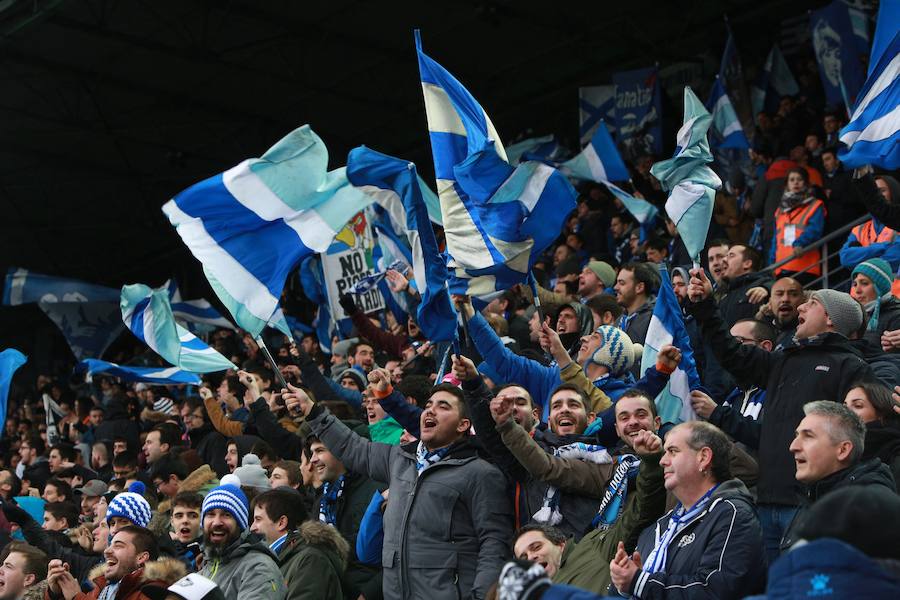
{"x": 879, "y": 273}
{"x": 845, "y": 313}
{"x": 130, "y": 505}
{"x": 229, "y": 498}
{"x": 605, "y": 273}
{"x": 165, "y": 406}
{"x": 616, "y": 352}
{"x": 252, "y": 474}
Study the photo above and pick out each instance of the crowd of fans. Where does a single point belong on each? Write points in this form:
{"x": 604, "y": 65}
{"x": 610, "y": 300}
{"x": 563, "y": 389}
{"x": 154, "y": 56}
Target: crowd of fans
{"x": 537, "y": 465}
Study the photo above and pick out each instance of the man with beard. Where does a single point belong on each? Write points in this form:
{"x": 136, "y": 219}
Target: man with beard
{"x": 23, "y": 568}
{"x": 130, "y": 563}
{"x": 241, "y": 567}
{"x": 781, "y": 310}
{"x": 742, "y": 287}
{"x": 635, "y": 286}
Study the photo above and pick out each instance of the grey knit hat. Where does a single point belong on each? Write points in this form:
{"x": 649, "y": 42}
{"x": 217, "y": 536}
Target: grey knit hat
{"x": 252, "y": 474}
{"x": 845, "y": 313}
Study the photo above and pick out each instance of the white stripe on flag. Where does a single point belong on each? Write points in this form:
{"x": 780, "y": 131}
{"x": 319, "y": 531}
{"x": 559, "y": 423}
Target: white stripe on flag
{"x": 685, "y": 195}
{"x": 163, "y": 373}
{"x": 240, "y": 283}
{"x": 657, "y": 334}
{"x": 594, "y": 163}
{"x": 878, "y": 129}
{"x": 890, "y": 73}
{"x": 463, "y": 240}
{"x": 441, "y": 115}
{"x": 683, "y": 138}
{"x": 535, "y": 186}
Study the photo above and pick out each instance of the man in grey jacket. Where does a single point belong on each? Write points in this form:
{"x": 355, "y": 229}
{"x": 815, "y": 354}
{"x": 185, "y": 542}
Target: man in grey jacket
{"x": 243, "y": 569}
{"x": 448, "y": 522}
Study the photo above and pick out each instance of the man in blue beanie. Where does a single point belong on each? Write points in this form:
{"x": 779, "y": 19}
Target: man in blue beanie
{"x": 242, "y": 568}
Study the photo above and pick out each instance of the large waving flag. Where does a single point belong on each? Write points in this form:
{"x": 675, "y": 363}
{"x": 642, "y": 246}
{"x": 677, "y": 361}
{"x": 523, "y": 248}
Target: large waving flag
{"x": 393, "y": 183}
{"x": 599, "y": 160}
{"x": 147, "y": 313}
{"x": 497, "y": 220}
{"x": 10, "y": 361}
{"x": 688, "y": 178}
{"x": 725, "y": 124}
{"x": 873, "y": 133}
{"x": 24, "y": 287}
{"x": 667, "y": 327}
{"x": 251, "y": 225}
{"x": 151, "y": 375}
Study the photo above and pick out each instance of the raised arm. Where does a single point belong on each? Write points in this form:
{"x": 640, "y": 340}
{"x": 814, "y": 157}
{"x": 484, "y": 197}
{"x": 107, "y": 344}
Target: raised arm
{"x": 393, "y": 402}
{"x": 217, "y": 417}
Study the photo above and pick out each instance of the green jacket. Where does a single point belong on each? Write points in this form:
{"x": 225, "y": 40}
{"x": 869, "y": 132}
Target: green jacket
{"x": 313, "y": 560}
{"x": 585, "y": 564}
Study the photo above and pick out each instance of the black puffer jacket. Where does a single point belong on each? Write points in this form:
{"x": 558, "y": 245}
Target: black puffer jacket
{"x": 820, "y": 368}
{"x": 719, "y": 554}
{"x": 872, "y": 472}
{"x": 734, "y": 304}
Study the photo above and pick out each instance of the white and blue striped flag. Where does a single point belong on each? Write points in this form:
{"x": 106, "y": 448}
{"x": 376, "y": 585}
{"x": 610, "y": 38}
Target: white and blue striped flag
{"x": 667, "y": 327}
{"x": 147, "y": 313}
{"x": 194, "y": 311}
{"x": 251, "y": 225}
{"x": 872, "y": 137}
{"x": 393, "y": 183}
{"x": 687, "y": 177}
{"x": 599, "y": 160}
{"x": 640, "y": 209}
{"x": 497, "y": 220}
{"x": 727, "y": 129}
{"x": 151, "y": 375}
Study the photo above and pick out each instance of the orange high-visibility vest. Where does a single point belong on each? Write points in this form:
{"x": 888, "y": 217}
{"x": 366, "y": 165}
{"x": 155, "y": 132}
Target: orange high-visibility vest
{"x": 866, "y": 236}
{"x": 798, "y": 217}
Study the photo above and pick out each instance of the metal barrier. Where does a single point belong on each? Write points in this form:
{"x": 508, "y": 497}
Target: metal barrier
{"x": 824, "y": 279}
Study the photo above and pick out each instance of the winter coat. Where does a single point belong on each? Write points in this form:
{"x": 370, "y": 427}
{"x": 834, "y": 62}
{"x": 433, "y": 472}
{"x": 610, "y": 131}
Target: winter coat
{"x": 883, "y": 442}
{"x": 245, "y": 570}
{"x": 585, "y": 564}
{"x": 734, "y": 304}
{"x": 159, "y": 573}
{"x": 446, "y": 530}
{"x": 313, "y": 560}
{"x": 868, "y": 473}
{"x": 888, "y": 319}
{"x": 637, "y": 324}
{"x": 827, "y": 568}
{"x": 210, "y": 446}
{"x": 117, "y": 423}
{"x": 201, "y": 480}
{"x": 821, "y": 368}
{"x": 719, "y": 554}
{"x": 865, "y": 190}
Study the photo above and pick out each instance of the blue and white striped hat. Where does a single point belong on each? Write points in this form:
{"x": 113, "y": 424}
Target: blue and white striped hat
{"x": 616, "y": 352}
{"x": 130, "y": 505}
{"x": 229, "y": 498}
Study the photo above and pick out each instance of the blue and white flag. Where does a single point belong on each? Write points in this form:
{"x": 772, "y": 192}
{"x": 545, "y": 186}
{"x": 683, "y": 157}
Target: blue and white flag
{"x": 147, "y": 313}
{"x": 667, "y": 327}
{"x": 497, "y": 220}
{"x": 726, "y": 128}
{"x": 150, "y": 375}
{"x": 598, "y": 161}
{"x": 774, "y": 81}
{"x": 839, "y": 52}
{"x": 251, "y": 225}
{"x": 10, "y": 361}
{"x": 392, "y": 182}
{"x": 640, "y": 209}
{"x": 89, "y": 327}
{"x": 731, "y": 72}
{"x": 638, "y": 112}
{"x": 872, "y": 137}
{"x": 596, "y": 104}
{"x": 24, "y": 287}
{"x": 688, "y": 178}
{"x": 544, "y": 145}
{"x": 194, "y": 311}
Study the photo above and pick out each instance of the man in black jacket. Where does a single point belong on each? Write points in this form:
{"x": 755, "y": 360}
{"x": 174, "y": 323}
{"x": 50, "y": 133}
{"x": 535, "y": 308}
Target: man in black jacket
{"x": 822, "y": 365}
{"x": 739, "y": 299}
{"x": 828, "y": 450}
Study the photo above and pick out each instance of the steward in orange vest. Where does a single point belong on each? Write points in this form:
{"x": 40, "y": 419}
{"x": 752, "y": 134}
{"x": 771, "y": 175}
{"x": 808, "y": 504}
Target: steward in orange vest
{"x": 797, "y": 225}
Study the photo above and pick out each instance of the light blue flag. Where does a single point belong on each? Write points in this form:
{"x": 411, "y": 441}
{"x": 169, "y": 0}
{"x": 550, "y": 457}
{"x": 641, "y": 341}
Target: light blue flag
{"x": 687, "y": 177}
{"x": 147, "y": 313}
{"x": 10, "y": 361}
{"x": 726, "y": 128}
{"x": 667, "y": 327}
{"x": 24, "y": 287}
{"x": 151, "y": 375}
{"x": 194, "y": 311}
{"x": 251, "y": 225}
{"x": 515, "y": 152}
{"x": 596, "y": 104}
{"x": 774, "y": 81}
{"x": 497, "y": 220}
{"x": 872, "y": 137}
{"x": 598, "y": 161}
{"x": 393, "y": 184}
{"x": 640, "y": 209}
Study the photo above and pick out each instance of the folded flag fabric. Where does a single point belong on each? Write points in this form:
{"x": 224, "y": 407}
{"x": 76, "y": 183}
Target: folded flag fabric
{"x": 725, "y": 124}
{"x": 151, "y": 375}
{"x": 393, "y": 183}
{"x": 251, "y": 225}
{"x": 543, "y": 145}
{"x": 497, "y": 220}
{"x": 10, "y": 361}
{"x": 147, "y": 313}
{"x": 872, "y": 137}
{"x": 691, "y": 183}
{"x": 599, "y": 160}
{"x": 640, "y": 209}
{"x": 194, "y": 311}
{"x": 667, "y": 327}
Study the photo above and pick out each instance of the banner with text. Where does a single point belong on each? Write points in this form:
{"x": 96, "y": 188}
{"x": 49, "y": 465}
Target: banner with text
{"x": 638, "y": 112}
{"x": 347, "y": 260}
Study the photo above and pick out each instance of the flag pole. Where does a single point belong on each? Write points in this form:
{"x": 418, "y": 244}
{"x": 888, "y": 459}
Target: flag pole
{"x": 268, "y": 355}
{"x": 532, "y": 281}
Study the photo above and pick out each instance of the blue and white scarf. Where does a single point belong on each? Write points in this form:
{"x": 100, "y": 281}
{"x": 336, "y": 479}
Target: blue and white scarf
{"x": 549, "y": 513}
{"x": 331, "y": 493}
{"x": 656, "y": 562}
{"x": 425, "y": 458}
{"x": 616, "y": 491}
